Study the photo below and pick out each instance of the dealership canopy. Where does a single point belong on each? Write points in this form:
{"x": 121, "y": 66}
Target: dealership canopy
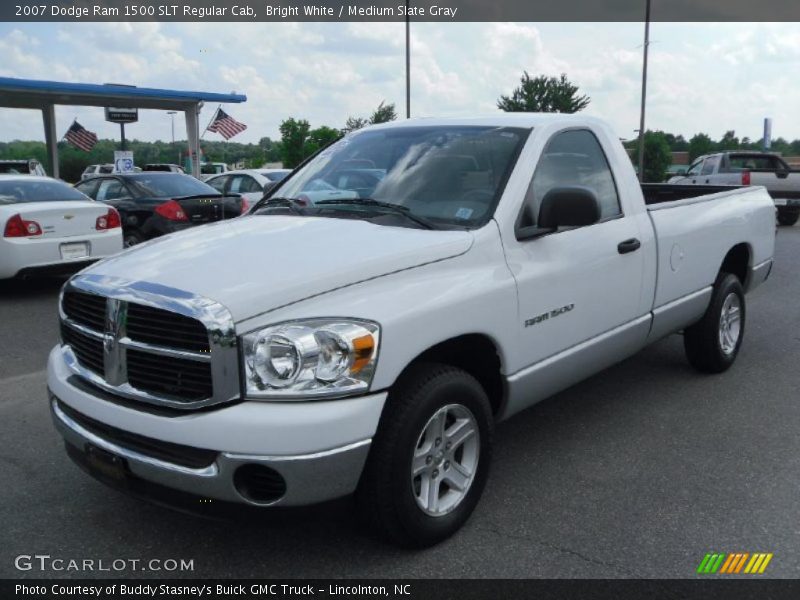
{"x": 44, "y": 95}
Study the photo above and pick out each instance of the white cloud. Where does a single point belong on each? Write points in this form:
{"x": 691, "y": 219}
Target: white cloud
{"x": 703, "y": 77}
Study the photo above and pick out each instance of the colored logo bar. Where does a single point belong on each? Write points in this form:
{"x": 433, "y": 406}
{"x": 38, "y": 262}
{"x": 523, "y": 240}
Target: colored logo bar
{"x": 735, "y": 563}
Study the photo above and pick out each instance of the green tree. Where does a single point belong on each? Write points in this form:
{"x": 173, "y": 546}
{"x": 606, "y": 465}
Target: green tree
{"x": 294, "y": 134}
{"x": 319, "y": 138}
{"x": 657, "y": 156}
{"x": 699, "y": 145}
{"x": 354, "y": 123}
{"x": 383, "y": 114}
{"x": 544, "y": 94}
{"x": 677, "y": 143}
{"x": 781, "y": 146}
{"x": 729, "y": 141}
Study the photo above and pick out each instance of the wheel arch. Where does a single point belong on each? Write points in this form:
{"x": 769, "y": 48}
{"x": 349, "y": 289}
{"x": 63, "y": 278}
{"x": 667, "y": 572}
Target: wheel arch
{"x": 738, "y": 262}
{"x": 476, "y": 353}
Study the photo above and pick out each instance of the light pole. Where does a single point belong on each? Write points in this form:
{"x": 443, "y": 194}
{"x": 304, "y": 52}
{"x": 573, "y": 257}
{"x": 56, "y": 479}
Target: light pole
{"x": 172, "y": 114}
{"x": 644, "y": 90}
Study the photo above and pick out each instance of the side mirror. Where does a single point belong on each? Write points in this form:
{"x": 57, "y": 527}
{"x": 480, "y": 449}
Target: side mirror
{"x": 568, "y": 207}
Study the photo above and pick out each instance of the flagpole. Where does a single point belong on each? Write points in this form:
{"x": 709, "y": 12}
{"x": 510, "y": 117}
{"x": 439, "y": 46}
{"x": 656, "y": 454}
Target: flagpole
{"x": 214, "y": 116}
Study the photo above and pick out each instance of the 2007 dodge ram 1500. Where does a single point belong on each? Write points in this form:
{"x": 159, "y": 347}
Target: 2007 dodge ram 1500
{"x": 369, "y": 343}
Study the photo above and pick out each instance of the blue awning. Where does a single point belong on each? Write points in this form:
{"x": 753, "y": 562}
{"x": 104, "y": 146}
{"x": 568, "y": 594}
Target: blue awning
{"x": 33, "y": 93}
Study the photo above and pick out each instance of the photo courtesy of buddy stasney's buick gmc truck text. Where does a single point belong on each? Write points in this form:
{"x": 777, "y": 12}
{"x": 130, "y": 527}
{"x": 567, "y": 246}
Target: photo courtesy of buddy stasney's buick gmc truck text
{"x": 365, "y": 326}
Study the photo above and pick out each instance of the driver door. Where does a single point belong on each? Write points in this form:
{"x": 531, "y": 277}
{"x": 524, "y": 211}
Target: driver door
{"x": 578, "y": 285}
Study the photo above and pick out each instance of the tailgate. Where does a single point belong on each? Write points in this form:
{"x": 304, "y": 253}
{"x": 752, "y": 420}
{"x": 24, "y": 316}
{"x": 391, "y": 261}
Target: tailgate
{"x": 778, "y": 182}
{"x": 208, "y": 209}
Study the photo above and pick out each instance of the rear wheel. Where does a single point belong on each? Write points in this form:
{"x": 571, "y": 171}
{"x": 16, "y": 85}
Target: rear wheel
{"x": 430, "y": 457}
{"x": 788, "y": 217}
{"x": 131, "y": 238}
{"x": 713, "y": 343}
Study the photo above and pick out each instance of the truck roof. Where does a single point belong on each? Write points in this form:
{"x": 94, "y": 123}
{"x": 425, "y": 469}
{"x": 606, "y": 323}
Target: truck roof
{"x": 521, "y": 119}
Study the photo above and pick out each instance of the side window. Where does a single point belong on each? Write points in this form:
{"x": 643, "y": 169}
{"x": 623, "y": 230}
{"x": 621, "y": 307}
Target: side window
{"x": 695, "y": 168}
{"x": 88, "y": 187}
{"x": 110, "y": 189}
{"x": 710, "y": 165}
{"x": 249, "y": 184}
{"x": 218, "y": 183}
{"x": 236, "y": 184}
{"x": 573, "y": 158}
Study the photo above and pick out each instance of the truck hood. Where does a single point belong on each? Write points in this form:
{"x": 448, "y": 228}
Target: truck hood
{"x": 256, "y": 264}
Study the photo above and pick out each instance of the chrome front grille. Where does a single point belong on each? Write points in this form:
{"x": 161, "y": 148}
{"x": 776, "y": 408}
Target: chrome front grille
{"x": 149, "y": 343}
{"x": 88, "y": 349}
{"x": 156, "y": 326}
{"x": 167, "y": 375}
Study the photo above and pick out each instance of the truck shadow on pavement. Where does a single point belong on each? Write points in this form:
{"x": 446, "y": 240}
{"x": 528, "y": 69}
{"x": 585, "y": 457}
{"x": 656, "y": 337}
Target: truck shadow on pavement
{"x": 34, "y": 288}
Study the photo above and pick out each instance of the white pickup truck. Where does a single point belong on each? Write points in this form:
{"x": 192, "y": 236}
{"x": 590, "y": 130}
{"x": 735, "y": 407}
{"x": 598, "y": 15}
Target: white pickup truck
{"x": 370, "y": 344}
{"x": 749, "y": 168}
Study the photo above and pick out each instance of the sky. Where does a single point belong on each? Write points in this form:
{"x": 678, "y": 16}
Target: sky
{"x": 702, "y": 77}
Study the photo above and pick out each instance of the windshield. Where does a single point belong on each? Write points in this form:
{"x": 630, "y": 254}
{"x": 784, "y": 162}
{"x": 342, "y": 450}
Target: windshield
{"x": 210, "y": 168}
{"x": 172, "y": 184}
{"x": 447, "y": 175}
{"x": 15, "y": 191}
{"x": 14, "y": 168}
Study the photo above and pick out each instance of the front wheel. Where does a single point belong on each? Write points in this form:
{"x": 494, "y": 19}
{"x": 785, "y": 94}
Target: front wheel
{"x": 712, "y": 343}
{"x": 430, "y": 457}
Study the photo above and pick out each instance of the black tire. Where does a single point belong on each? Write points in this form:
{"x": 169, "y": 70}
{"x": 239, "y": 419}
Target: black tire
{"x": 703, "y": 341}
{"x": 132, "y": 237}
{"x": 387, "y": 495}
{"x": 788, "y": 217}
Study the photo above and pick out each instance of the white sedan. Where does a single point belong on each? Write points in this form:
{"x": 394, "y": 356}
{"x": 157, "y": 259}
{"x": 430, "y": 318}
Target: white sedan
{"x": 250, "y": 183}
{"x": 49, "y": 227}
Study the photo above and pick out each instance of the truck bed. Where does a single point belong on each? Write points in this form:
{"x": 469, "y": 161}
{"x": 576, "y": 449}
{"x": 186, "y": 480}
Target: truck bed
{"x": 656, "y": 193}
{"x": 696, "y": 226}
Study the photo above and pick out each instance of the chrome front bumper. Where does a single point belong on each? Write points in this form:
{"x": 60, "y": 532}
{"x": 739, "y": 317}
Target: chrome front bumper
{"x": 309, "y": 478}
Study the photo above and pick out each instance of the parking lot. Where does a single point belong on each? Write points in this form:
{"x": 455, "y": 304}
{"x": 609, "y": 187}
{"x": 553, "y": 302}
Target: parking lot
{"x": 636, "y": 472}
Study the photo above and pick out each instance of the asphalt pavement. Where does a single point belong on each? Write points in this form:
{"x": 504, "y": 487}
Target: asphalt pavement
{"x": 636, "y": 472}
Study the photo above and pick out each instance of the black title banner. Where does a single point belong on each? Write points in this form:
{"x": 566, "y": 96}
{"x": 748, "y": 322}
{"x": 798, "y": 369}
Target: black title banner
{"x": 449, "y": 589}
{"x": 399, "y": 10}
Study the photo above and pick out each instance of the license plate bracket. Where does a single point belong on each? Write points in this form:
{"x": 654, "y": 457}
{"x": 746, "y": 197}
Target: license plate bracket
{"x": 73, "y": 250}
{"x": 106, "y": 464}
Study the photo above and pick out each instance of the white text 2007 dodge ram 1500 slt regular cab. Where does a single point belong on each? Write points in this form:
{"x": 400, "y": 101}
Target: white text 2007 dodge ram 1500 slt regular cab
{"x": 368, "y": 344}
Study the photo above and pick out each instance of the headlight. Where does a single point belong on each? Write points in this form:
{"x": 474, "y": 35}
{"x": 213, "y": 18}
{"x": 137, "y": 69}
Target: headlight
{"x": 314, "y": 358}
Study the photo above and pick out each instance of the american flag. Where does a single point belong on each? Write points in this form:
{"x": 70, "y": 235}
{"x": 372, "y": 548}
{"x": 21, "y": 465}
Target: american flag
{"x": 80, "y": 137}
{"x": 226, "y": 125}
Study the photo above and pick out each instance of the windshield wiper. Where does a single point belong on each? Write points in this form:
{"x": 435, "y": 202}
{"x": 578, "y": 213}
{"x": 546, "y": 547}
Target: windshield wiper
{"x": 290, "y": 203}
{"x": 395, "y": 208}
